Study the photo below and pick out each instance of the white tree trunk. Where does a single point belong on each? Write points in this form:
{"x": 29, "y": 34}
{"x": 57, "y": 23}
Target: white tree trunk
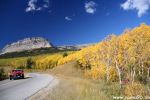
{"x": 107, "y": 70}
{"x": 119, "y": 74}
{"x": 148, "y": 72}
{"x": 142, "y": 68}
{"x": 107, "y": 73}
{"x": 139, "y": 72}
{"x": 133, "y": 75}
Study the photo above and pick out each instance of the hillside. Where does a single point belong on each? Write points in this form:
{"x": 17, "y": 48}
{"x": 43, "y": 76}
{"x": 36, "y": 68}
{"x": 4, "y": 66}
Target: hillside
{"x": 35, "y": 52}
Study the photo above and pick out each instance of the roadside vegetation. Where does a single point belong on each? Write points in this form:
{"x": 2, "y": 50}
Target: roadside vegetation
{"x": 123, "y": 59}
{"x": 4, "y": 72}
{"x": 117, "y": 66}
{"x": 3, "y": 75}
{"x": 44, "y": 61}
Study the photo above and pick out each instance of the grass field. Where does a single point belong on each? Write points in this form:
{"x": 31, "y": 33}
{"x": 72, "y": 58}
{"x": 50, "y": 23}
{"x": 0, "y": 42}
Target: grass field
{"x": 73, "y": 86}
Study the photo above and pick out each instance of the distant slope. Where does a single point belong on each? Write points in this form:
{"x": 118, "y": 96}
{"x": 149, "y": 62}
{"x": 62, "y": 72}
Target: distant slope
{"x": 34, "y": 52}
{"x": 75, "y": 47}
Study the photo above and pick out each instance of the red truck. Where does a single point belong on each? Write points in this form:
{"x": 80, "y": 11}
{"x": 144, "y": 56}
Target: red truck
{"x": 16, "y": 74}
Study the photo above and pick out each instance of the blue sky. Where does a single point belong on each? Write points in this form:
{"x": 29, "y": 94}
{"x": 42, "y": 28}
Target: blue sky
{"x": 69, "y": 22}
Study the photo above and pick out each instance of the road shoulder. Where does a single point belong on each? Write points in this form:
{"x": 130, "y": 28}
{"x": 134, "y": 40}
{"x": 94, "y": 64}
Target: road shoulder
{"x": 42, "y": 93}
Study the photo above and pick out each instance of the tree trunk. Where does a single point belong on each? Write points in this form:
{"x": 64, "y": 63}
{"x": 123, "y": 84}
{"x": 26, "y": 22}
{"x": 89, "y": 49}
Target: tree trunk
{"x": 119, "y": 74}
{"x": 142, "y": 69}
{"x": 133, "y": 75}
{"x": 139, "y": 72}
{"x": 107, "y": 70}
{"x": 107, "y": 73}
{"x": 148, "y": 72}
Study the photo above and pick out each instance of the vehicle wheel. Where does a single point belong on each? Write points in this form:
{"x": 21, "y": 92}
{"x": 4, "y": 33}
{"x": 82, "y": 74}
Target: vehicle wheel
{"x": 10, "y": 78}
{"x": 22, "y": 76}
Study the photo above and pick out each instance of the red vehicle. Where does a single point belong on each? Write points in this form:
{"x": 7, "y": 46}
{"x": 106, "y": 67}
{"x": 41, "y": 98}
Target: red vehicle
{"x": 16, "y": 74}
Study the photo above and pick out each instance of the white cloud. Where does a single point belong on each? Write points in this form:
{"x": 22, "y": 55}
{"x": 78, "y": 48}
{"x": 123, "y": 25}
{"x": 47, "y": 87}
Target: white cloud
{"x": 90, "y": 7}
{"x": 142, "y": 6}
{"x": 38, "y": 9}
{"x": 68, "y": 18}
{"x": 33, "y": 5}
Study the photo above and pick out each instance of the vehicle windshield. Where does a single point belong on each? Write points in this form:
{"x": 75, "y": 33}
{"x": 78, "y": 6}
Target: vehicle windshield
{"x": 17, "y": 70}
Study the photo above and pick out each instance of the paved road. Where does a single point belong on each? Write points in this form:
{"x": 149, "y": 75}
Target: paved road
{"x": 24, "y": 88}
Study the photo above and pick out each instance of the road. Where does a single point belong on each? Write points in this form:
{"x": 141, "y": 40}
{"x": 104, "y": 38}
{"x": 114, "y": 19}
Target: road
{"x": 22, "y": 89}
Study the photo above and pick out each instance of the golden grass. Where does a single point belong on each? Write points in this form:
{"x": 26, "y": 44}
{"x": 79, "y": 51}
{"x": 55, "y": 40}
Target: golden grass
{"x": 73, "y": 86}
{"x": 76, "y": 89}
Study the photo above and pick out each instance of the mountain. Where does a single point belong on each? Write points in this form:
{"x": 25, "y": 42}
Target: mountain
{"x": 35, "y": 46}
{"x": 26, "y": 44}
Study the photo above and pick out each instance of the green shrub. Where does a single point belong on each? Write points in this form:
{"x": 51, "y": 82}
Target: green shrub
{"x": 65, "y": 54}
{"x": 29, "y": 63}
{"x": 142, "y": 78}
{"x": 20, "y": 67}
{"x": 2, "y": 74}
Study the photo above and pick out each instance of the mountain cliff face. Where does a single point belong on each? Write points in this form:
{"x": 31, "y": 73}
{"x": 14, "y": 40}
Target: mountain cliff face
{"x": 26, "y": 44}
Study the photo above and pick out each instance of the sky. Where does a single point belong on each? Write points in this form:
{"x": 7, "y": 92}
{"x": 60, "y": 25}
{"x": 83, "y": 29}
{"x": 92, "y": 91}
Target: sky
{"x": 69, "y": 22}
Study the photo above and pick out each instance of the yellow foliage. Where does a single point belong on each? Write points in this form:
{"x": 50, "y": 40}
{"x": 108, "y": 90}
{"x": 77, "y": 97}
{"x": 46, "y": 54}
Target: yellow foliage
{"x": 18, "y": 63}
{"x": 124, "y": 52}
{"x": 113, "y": 74}
{"x": 67, "y": 59}
{"x": 97, "y": 72}
{"x": 48, "y": 62}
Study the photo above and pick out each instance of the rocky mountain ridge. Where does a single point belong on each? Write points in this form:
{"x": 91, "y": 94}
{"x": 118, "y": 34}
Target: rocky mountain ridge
{"x": 26, "y": 44}
{"x": 34, "y": 43}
